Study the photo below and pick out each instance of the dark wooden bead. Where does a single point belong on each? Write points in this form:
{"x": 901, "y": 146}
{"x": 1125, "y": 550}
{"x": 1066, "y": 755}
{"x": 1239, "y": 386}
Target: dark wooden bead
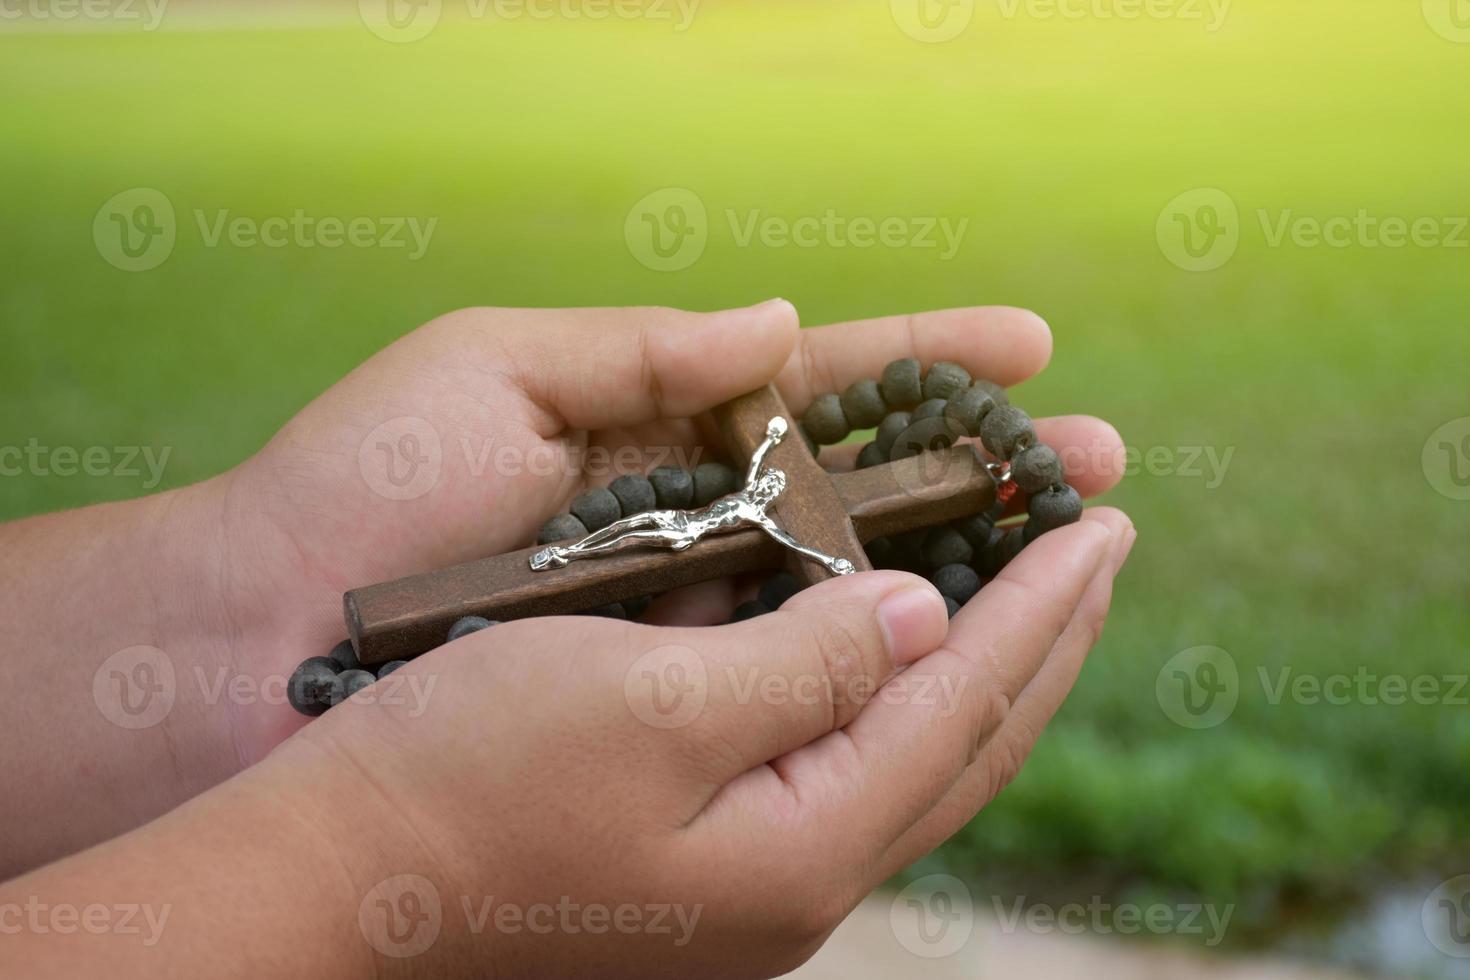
{"x": 466, "y": 625}
{"x": 927, "y": 434}
{"x": 944, "y": 545}
{"x": 1054, "y": 507}
{"x": 1015, "y": 540}
{"x": 712, "y": 480}
{"x": 673, "y": 487}
{"x": 637, "y": 607}
{"x": 870, "y": 455}
{"x": 749, "y": 610}
{"x": 344, "y": 657}
{"x": 310, "y": 684}
{"x": 1036, "y": 468}
{"x": 958, "y": 582}
{"x": 901, "y": 385}
{"x": 348, "y": 683}
{"x": 969, "y": 408}
{"x": 880, "y": 552}
{"x": 562, "y": 527}
{"x": 1006, "y": 431}
{"x": 390, "y": 667}
{"x": 994, "y": 390}
{"x": 908, "y": 550}
{"x": 951, "y": 607}
{"x": 945, "y": 380}
{"x": 596, "y": 508}
{"x": 931, "y": 409}
{"x": 862, "y": 403}
{"x": 806, "y": 437}
{"x": 634, "y": 493}
{"x": 892, "y": 426}
{"x": 990, "y": 559}
{"x": 975, "y": 529}
{"x": 778, "y": 589}
{"x": 825, "y": 421}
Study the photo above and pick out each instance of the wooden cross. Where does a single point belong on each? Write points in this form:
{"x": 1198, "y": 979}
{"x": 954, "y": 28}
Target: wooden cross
{"x": 834, "y": 513}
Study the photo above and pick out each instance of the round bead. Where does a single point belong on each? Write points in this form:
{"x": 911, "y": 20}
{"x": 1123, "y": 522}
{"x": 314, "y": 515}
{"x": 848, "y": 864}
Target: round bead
{"x": 901, "y": 386}
{"x": 908, "y": 550}
{"x": 951, "y": 607}
{"x": 945, "y": 546}
{"x": 862, "y": 403}
{"x": 749, "y": 610}
{"x": 343, "y": 657}
{"x": 958, "y": 582}
{"x": 931, "y": 409}
{"x": 825, "y": 422}
{"x": 870, "y": 455}
{"x": 562, "y": 527}
{"x": 637, "y": 607}
{"x": 975, "y": 529}
{"x": 806, "y": 437}
{"x": 390, "y": 667}
{"x": 596, "y": 508}
{"x": 889, "y": 430}
{"x": 991, "y": 558}
{"x": 1015, "y": 540}
{"x": 713, "y": 480}
{"x": 924, "y": 435}
{"x": 880, "y": 552}
{"x": 310, "y": 684}
{"x": 348, "y": 683}
{"x": 994, "y": 390}
{"x": 673, "y": 486}
{"x": 1006, "y": 430}
{"x": 467, "y": 625}
{"x": 1036, "y": 468}
{"x": 778, "y": 589}
{"x": 945, "y": 380}
{"x": 634, "y": 493}
{"x": 969, "y": 408}
{"x": 1055, "y": 507}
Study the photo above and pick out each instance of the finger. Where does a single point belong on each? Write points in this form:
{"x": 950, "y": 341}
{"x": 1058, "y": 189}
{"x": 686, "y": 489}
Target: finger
{"x": 1091, "y": 451}
{"x": 703, "y": 604}
{"x": 776, "y": 682}
{"x": 999, "y": 343}
{"x": 595, "y": 368}
{"x": 1004, "y": 753}
{"x": 899, "y": 757}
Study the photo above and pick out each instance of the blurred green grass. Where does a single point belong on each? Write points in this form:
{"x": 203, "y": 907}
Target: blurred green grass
{"x": 1324, "y": 370}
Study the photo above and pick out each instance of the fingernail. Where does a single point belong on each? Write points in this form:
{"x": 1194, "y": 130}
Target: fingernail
{"x": 914, "y": 621}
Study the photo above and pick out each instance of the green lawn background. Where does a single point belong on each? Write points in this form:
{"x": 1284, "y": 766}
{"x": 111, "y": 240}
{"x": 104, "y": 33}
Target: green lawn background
{"x": 1325, "y": 370}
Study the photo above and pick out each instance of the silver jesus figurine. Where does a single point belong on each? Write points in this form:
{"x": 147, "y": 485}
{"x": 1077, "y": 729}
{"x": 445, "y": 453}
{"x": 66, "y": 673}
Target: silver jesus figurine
{"x": 679, "y": 529}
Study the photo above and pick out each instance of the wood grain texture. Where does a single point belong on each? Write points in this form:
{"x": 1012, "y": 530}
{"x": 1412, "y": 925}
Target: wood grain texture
{"x": 834, "y": 513}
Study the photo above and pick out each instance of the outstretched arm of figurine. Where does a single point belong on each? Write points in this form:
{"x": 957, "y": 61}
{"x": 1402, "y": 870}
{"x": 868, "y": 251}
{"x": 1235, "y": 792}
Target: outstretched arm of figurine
{"x": 839, "y": 566}
{"x": 775, "y": 432}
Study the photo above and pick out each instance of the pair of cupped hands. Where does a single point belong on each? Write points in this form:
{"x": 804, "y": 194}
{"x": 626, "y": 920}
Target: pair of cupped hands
{"x": 833, "y": 741}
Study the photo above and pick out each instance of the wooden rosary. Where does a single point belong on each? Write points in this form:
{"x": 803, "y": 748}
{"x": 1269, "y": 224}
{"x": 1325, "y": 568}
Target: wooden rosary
{"x": 920, "y": 499}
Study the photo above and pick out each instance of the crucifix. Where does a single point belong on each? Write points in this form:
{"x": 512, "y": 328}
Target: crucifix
{"x": 830, "y": 516}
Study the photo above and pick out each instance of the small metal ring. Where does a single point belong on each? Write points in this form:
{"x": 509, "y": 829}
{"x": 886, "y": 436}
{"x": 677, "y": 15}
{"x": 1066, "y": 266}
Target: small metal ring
{"x": 1000, "y": 472}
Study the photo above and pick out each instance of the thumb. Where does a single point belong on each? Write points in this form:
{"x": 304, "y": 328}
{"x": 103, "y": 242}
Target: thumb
{"x": 774, "y": 683}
